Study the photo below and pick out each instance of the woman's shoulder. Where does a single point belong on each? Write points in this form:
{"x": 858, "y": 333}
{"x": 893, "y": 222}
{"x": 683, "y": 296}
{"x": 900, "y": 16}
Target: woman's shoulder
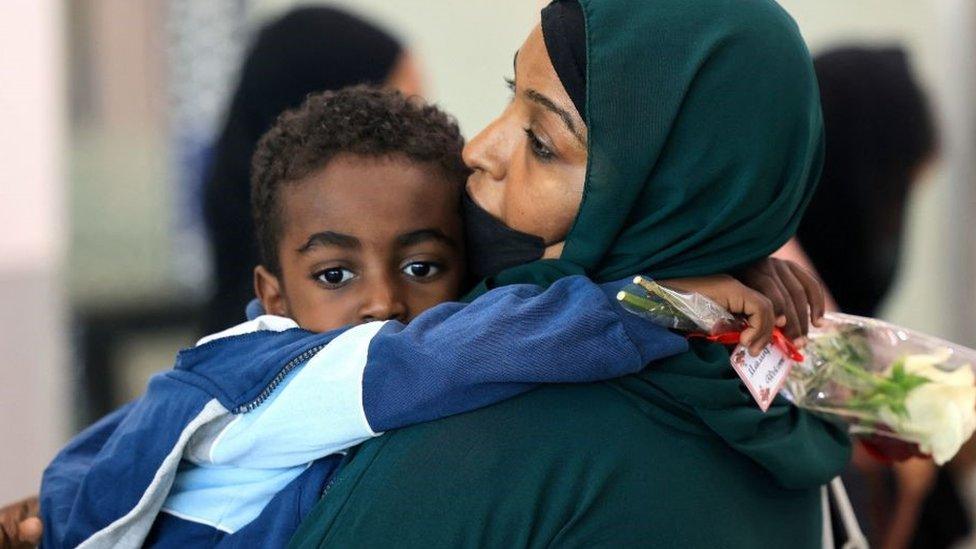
{"x": 568, "y": 464}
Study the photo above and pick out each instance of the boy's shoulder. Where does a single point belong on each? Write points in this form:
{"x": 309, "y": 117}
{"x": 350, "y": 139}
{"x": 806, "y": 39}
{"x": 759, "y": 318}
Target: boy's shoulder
{"x": 237, "y": 364}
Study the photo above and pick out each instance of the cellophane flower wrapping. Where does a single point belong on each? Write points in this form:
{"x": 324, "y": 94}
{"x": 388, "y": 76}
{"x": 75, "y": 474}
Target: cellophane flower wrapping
{"x": 903, "y": 393}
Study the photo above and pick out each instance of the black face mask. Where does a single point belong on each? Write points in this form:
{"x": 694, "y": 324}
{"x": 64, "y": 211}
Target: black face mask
{"x": 492, "y": 246}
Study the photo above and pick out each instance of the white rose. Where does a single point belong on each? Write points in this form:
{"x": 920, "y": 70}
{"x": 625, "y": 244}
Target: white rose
{"x": 942, "y": 413}
{"x": 943, "y": 417}
{"x": 927, "y": 367}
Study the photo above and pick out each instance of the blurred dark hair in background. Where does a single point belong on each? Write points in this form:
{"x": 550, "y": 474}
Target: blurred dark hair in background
{"x": 880, "y": 134}
{"x": 308, "y": 50}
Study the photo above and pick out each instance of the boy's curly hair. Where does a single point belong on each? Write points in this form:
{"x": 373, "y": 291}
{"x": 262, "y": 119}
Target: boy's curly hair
{"x": 358, "y": 120}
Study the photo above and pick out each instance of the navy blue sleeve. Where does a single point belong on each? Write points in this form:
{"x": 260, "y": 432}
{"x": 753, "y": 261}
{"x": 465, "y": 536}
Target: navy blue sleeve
{"x": 63, "y": 478}
{"x": 455, "y": 358}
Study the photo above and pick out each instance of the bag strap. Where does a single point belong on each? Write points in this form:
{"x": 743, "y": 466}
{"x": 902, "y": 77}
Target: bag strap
{"x": 855, "y": 537}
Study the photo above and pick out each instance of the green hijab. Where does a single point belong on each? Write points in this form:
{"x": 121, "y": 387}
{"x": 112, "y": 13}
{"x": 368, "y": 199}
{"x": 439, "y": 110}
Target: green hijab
{"x": 705, "y": 140}
{"x": 705, "y": 143}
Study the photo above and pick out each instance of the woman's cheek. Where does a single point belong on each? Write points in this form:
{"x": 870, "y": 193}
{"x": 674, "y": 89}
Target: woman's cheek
{"x": 490, "y": 196}
{"x": 562, "y": 201}
{"x": 541, "y": 207}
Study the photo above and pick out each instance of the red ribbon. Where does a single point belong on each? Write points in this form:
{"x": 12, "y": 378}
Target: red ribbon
{"x": 780, "y": 341}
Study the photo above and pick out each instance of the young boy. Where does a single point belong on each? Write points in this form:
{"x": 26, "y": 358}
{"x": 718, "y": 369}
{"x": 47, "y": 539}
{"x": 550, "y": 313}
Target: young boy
{"x": 356, "y": 199}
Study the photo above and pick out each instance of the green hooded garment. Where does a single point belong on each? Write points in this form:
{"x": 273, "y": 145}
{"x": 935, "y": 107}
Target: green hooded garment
{"x": 705, "y": 143}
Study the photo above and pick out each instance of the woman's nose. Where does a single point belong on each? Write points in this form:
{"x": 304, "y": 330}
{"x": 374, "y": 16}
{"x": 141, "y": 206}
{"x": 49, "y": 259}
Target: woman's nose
{"x": 383, "y": 301}
{"x": 488, "y": 152}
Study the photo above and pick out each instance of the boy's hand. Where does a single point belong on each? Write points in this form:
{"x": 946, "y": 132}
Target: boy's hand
{"x": 798, "y": 296}
{"x": 19, "y": 525}
{"x": 737, "y": 299}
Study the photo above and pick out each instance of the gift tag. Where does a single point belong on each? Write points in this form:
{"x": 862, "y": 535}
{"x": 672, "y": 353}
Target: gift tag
{"x": 764, "y": 375}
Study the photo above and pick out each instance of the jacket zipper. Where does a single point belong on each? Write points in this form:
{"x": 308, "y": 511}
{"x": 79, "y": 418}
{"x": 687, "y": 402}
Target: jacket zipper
{"x": 335, "y": 476}
{"x": 292, "y": 364}
{"x": 330, "y": 484}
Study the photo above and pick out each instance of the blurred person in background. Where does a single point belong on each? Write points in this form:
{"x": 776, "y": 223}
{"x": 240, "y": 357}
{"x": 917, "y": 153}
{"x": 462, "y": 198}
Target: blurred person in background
{"x": 309, "y": 49}
{"x": 880, "y": 138}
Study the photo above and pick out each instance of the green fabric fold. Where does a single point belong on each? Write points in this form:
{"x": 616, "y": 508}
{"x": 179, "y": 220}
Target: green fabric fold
{"x": 797, "y": 449}
{"x": 617, "y": 464}
{"x": 705, "y": 144}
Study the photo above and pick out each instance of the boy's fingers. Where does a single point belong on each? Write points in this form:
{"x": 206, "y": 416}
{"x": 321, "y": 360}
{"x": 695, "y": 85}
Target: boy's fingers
{"x": 753, "y": 340}
{"x": 31, "y": 530}
{"x": 816, "y": 295}
{"x": 19, "y": 525}
{"x": 797, "y": 295}
{"x": 759, "y": 313}
{"x": 781, "y": 303}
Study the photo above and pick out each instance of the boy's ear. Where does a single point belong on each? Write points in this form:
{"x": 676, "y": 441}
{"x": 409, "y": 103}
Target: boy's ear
{"x": 269, "y": 291}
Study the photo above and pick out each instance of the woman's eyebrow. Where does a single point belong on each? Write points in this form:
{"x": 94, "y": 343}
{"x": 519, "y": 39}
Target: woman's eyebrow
{"x": 563, "y": 114}
{"x": 329, "y": 238}
{"x": 425, "y": 235}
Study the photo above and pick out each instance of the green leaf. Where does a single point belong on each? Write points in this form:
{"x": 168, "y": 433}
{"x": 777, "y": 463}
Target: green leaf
{"x": 898, "y": 371}
{"x": 912, "y": 381}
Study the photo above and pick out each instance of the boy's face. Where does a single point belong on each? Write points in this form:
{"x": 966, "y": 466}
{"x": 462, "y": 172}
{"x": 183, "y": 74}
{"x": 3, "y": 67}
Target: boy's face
{"x": 365, "y": 239}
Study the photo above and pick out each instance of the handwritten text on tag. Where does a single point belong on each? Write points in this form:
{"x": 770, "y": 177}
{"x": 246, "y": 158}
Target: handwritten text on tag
{"x": 764, "y": 374}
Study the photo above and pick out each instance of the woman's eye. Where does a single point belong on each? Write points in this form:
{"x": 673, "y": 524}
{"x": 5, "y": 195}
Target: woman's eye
{"x": 335, "y": 276}
{"x": 421, "y": 269}
{"x": 539, "y": 149}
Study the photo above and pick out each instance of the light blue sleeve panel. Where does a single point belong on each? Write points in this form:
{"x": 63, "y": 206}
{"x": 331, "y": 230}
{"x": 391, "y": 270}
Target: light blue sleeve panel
{"x": 316, "y": 411}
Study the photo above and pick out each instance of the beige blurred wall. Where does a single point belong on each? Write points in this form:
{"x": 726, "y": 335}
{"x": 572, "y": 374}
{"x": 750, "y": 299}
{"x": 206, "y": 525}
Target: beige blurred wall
{"x": 466, "y": 48}
{"x": 33, "y": 354}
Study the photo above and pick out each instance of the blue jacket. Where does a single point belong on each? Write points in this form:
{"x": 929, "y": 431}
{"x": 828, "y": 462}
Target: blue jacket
{"x": 237, "y": 442}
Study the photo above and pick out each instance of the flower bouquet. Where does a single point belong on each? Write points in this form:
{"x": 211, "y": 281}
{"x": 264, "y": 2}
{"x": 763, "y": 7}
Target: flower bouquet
{"x": 902, "y": 393}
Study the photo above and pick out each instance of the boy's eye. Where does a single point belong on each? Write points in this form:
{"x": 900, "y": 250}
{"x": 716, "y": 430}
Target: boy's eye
{"x": 335, "y": 276}
{"x": 421, "y": 269}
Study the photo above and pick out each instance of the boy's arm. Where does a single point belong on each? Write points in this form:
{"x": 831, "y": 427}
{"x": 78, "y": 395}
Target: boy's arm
{"x": 63, "y": 480}
{"x": 451, "y": 359}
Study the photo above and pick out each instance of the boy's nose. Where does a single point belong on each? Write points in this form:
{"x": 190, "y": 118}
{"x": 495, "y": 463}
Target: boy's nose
{"x": 383, "y": 302}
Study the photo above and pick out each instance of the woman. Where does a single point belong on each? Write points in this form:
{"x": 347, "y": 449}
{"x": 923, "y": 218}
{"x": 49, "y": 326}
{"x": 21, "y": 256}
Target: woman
{"x": 672, "y": 138}
{"x": 309, "y": 49}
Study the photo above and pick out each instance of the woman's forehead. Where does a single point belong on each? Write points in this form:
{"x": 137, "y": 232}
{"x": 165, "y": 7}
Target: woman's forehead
{"x": 536, "y": 77}
{"x": 534, "y": 69}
